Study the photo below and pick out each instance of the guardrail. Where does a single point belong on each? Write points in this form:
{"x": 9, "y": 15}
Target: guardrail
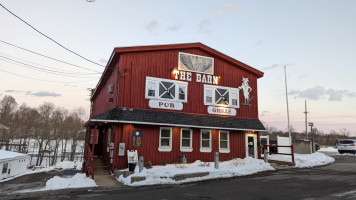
{"x": 271, "y": 145}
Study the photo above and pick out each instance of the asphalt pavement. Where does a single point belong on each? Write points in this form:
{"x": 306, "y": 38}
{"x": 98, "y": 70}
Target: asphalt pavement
{"x": 333, "y": 181}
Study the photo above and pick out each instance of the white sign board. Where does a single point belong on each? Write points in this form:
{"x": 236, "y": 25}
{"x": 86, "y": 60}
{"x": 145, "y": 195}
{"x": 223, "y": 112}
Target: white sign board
{"x": 169, "y": 105}
{"x": 122, "y": 149}
{"x": 132, "y": 156}
{"x": 283, "y": 141}
{"x": 221, "y": 111}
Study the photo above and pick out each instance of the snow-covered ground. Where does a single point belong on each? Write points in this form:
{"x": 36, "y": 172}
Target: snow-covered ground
{"x": 305, "y": 160}
{"x": 77, "y": 181}
{"x": 235, "y": 167}
{"x": 162, "y": 174}
{"x": 328, "y": 149}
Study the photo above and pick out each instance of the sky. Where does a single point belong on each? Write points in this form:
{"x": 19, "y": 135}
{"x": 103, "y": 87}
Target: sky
{"x": 314, "y": 39}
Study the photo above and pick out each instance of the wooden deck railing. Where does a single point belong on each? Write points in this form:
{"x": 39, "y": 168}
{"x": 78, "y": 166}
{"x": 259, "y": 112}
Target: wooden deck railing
{"x": 88, "y": 161}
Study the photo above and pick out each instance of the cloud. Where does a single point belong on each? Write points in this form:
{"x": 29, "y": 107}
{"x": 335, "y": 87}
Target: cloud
{"x": 102, "y": 60}
{"x": 12, "y": 91}
{"x": 319, "y": 92}
{"x": 174, "y": 27}
{"x": 43, "y": 94}
{"x": 152, "y": 26}
{"x": 258, "y": 43}
{"x": 272, "y": 67}
{"x": 228, "y": 8}
{"x": 204, "y": 26}
{"x": 264, "y": 113}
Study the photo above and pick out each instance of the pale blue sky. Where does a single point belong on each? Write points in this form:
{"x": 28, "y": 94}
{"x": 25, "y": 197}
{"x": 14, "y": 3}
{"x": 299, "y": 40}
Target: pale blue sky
{"x": 315, "y": 39}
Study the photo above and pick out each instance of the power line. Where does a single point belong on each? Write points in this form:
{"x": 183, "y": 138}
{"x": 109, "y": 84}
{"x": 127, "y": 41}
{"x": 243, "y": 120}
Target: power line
{"x": 39, "y": 69}
{"x": 43, "y": 79}
{"x": 64, "y": 71}
{"x": 48, "y": 57}
{"x": 49, "y": 37}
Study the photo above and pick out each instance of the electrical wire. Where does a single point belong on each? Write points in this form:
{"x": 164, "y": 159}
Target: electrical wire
{"x": 48, "y": 57}
{"x": 9, "y": 60}
{"x": 64, "y": 71}
{"x": 49, "y": 37}
{"x": 43, "y": 79}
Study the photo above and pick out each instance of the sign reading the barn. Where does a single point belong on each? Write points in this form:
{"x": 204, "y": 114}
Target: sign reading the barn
{"x": 221, "y": 111}
{"x": 136, "y": 138}
{"x": 199, "y": 78}
{"x": 169, "y": 105}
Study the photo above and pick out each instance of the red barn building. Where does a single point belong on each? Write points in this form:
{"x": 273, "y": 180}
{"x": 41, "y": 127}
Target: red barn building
{"x": 170, "y": 101}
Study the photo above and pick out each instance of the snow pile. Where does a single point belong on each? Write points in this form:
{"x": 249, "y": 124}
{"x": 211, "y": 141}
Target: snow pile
{"x": 77, "y": 181}
{"x": 164, "y": 174}
{"x": 305, "y": 160}
{"x": 328, "y": 149}
{"x": 69, "y": 165}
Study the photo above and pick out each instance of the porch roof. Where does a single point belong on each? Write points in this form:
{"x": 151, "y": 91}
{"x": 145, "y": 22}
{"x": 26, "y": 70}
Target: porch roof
{"x": 164, "y": 118}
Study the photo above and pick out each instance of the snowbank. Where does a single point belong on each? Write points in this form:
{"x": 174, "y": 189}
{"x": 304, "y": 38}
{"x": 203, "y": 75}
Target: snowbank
{"x": 328, "y": 149}
{"x": 56, "y": 183}
{"x": 77, "y": 181}
{"x": 305, "y": 160}
{"x": 162, "y": 174}
{"x": 69, "y": 165}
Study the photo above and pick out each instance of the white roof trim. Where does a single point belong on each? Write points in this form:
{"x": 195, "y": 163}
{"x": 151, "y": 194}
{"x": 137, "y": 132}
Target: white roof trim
{"x": 176, "y": 125}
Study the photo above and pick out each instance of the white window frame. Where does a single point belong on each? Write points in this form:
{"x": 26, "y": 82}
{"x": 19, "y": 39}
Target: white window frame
{"x": 205, "y": 149}
{"x": 190, "y": 148}
{"x": 176, "y": 83}
{"x": 164, "y": 148}
{"x": 225, "y": 150}
{"x": 231, "y": 91}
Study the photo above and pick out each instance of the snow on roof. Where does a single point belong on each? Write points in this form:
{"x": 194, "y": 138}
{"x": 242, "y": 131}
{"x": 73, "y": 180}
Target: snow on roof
{"x": 9, "y": 154}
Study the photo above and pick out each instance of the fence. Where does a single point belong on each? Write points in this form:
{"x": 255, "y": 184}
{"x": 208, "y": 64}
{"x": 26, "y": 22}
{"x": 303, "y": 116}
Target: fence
{"x": 276, "y": 146}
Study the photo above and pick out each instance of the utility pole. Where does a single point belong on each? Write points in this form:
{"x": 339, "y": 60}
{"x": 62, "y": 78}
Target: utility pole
{"x": 285, "y": 78}
{"x": 306, "y": 119}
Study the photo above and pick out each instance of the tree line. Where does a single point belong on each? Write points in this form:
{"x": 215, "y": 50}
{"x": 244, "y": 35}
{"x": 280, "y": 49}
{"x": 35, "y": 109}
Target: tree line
{"x": 318, "y": 136}
{"x": 49, "y": 128}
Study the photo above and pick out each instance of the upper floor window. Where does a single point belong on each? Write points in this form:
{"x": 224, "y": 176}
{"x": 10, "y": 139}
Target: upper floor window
{"x": 221, "y": 96}
{"x": 165, "y": 89}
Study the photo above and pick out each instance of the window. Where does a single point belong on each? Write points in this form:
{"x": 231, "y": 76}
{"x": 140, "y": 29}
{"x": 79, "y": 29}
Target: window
{"x": 4, "y": 168}
{"x": 205, "y": 142}
{"x": 92, "y": 137}
{"x": 182, "y": 92}
{"x": 165, "y": 139}
{"x": 165, "y": 89}
{"x": 209, "y": 96}
{"x": 221, "y": 96}
{"x": 186, "y": 140}
{"x": 151, "y": 89}
{"x": 224, "y": 145}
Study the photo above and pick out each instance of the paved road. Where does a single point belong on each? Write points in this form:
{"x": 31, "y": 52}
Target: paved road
{"x": 334, "y": 181}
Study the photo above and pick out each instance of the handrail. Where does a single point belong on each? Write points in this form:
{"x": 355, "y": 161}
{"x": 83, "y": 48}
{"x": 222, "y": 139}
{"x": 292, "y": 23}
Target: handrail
{"x": 88, "y": 160}
{"x": 272, "y": 145}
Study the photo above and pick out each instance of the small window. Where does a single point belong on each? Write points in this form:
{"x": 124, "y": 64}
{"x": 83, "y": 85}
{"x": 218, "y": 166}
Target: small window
{"x": 94, "y": 139}
{"x": 186, "y": 140}
{"x": 205, "y": 143}
{"x": 151, "y": 89}
{"x": 224, "y": 146}
{"x": 182, "y": 92}
{"x": 4, "y": 168}
{"x": 165, "y": 139}
{"x": 234, "y": 99}
{"x": 209, "y": 96}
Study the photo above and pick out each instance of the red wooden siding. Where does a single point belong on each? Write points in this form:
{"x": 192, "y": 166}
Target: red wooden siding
{"x": 150, "y": 143}
{"x": 138, "y": 65}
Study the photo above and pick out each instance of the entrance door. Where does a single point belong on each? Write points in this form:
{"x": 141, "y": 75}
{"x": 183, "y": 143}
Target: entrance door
{"x": 251, "y": 145}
